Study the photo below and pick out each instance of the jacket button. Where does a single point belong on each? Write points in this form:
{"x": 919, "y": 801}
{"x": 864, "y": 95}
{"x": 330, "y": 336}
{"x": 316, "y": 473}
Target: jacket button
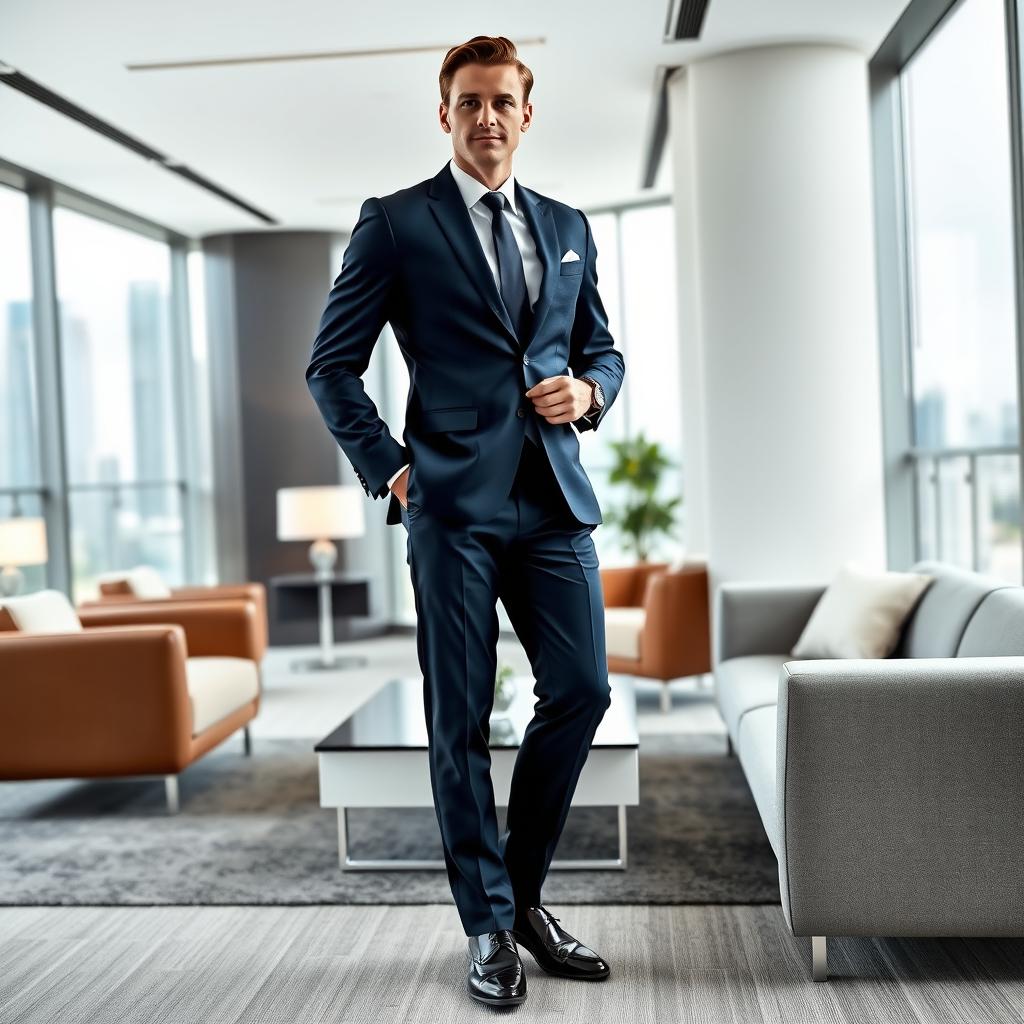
{"x": 526, "y": 360}
{"x": 520, "y": 412}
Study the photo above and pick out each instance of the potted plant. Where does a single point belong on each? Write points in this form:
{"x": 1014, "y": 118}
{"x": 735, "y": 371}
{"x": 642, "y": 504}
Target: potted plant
{"x": 638, "y": 464}
{"x": 504, "y": 687}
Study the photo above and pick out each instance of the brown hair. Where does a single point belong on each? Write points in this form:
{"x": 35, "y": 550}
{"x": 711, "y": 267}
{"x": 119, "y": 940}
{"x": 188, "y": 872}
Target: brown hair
{"x": 488, "y": 50}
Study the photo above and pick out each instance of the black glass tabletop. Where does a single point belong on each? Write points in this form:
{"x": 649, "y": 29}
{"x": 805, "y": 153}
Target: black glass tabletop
{"x": 393, "y": 719}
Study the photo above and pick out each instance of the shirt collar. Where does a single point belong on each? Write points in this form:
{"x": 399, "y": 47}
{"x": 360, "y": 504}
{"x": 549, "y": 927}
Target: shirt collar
{"x": 472, "y": 190}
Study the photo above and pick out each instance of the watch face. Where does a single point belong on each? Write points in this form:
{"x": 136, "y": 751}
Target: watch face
{"x": 598, "y": 395}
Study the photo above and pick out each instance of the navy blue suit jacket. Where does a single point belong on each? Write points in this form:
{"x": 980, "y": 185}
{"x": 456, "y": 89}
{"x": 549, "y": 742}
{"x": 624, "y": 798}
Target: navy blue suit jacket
{"x": 414, "y": 259}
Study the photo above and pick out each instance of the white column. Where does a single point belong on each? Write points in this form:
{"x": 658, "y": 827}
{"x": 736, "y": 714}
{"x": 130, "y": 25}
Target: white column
{"x": 782, "y": 438}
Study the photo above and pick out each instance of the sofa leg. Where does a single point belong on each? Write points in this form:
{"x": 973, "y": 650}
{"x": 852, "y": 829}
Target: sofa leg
{"x": 729, "y": 751}
{"x": 666, "y": 699}
{"x": 819, "y": 958}
{"x": 247, "y": 741}
{"x": 171, "y": 791}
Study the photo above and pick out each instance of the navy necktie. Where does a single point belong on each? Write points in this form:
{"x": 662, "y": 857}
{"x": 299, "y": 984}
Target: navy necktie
{"x": 513, "y": 286}
{"x": 510, "y": 266}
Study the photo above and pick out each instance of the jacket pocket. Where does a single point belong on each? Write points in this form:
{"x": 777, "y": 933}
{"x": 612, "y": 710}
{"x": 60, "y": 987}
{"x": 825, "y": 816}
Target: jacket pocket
{"x": 459, "y": 417}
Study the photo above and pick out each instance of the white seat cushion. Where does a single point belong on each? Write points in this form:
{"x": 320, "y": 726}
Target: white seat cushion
{"x": 622, "y": 628}
{"x": 45, "y": 611}
{"x": 756, "y": 749}
{"x": 218, "y": 686}
{"x": 744, "y": 683}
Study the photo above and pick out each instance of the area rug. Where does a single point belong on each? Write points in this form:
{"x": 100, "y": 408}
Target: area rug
{"x": 251, "y": 831}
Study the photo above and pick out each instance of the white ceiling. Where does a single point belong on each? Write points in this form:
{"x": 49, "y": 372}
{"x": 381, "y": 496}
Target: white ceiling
{"x": 307, "y": 141}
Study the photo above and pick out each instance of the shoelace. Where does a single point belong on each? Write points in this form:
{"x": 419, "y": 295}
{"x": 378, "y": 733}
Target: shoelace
{"x": 504, "y": 938}
{"x": 566, "y": 946}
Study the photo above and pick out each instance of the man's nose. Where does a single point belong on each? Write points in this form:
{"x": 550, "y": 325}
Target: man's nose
{"x": 486, "y": 118}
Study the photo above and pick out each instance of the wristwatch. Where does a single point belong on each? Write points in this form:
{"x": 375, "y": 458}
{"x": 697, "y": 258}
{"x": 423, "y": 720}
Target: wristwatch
{"x": 597, "y": 401}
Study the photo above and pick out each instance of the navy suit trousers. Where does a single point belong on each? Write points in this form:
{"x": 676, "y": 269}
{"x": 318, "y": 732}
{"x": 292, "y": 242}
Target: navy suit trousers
{"x": 539, "y": 560}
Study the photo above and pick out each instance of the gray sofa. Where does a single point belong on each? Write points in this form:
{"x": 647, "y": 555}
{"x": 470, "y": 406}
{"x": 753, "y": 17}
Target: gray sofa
{"x": 891, "y": 789}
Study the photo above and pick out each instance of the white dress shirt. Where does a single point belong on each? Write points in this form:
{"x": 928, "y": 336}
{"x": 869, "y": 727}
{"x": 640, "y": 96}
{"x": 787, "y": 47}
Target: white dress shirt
{"x": 479, "y": 213}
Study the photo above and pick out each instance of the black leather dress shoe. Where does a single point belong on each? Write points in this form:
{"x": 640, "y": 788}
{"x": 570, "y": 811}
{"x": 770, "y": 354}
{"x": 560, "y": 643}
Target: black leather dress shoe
{"x": 496, "y": 974}
{"x": 554, "y": 949}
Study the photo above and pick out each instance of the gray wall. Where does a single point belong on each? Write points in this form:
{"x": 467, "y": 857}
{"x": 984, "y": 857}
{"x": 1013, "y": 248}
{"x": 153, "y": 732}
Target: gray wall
{"x": 265, "y": 293}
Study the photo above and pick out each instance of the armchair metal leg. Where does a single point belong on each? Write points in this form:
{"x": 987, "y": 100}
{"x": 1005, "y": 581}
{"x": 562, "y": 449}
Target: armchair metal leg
{"x": 171, "y": 791}
{"x": 819, "y": 958}
{"x": 247, "y": 740}
{"x": 730, "y": 752}
{"x": 666, "y": 699}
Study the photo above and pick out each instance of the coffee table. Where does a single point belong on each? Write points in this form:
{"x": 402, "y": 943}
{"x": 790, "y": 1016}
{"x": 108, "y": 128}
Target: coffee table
{"x": 378, "y": 758}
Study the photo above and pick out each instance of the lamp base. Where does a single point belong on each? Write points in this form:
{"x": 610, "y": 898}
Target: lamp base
{"x": 319, "y": 664}
{"x": 12, "y": 579}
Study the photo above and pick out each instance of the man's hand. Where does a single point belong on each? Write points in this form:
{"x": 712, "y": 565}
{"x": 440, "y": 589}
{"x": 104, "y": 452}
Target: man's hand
{"x": 562, "y": 399}
{"x": 399, "y": 486}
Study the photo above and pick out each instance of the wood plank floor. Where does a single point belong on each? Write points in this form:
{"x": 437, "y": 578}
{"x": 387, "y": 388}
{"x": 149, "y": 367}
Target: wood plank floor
{"x": 292, "y": 965}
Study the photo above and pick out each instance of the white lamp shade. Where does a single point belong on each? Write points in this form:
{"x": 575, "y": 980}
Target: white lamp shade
{"x": 316, "y": 513}
{"x": 23, "y": 541}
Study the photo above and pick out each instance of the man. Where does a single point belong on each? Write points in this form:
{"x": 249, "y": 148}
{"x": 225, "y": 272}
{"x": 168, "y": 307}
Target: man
{"x": 491, "y": 290}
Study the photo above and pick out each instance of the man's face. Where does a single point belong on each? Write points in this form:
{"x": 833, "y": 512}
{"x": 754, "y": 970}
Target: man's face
{"x": 486, "y": 114}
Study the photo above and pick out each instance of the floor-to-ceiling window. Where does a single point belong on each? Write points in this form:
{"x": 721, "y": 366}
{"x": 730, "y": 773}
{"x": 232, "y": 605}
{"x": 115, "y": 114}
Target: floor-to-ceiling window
{"x": 637, "y": 283}
{"x": 21, "y": 482}
{"x": 200, "y": 373}
{"x": 963, "y": 346}
{"x": 953, "y": 160}
{"x": 100, "y": 381}
{"x": 124, "y": 480}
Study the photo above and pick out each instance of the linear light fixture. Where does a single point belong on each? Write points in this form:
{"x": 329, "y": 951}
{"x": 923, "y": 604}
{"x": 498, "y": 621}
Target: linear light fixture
{"x": 274, "y": 58}
{"x": 10, "y": 76}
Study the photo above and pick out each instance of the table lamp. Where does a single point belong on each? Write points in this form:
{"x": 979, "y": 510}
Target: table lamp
{"x": 318, "y": 514}
{"x": 22, "y": 542}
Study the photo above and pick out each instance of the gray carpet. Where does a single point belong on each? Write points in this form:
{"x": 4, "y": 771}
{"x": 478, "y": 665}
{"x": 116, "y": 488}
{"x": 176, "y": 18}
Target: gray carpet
{"x": 251, "y": 831}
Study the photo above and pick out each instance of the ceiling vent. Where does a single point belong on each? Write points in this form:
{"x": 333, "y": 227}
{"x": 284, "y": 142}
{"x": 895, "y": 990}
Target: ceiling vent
{"x": 685, "y": 19}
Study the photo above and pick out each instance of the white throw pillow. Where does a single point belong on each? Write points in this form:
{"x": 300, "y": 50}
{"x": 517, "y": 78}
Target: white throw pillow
{"x": 145, "y": 581}
{"x": 861, "y": 614}
{"x": 45, "y": 611}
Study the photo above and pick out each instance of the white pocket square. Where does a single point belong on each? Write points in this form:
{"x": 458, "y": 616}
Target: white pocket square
{"x": 570, "y": 256}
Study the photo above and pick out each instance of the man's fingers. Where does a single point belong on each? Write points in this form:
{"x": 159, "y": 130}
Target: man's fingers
{"x": 547, "y": 385}
{"x": 562, "y": 408}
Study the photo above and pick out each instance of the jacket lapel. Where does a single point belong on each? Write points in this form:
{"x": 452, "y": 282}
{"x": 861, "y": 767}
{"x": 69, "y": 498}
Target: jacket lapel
{"x": 450, "y": 211}
{"x": 545, "y": 237}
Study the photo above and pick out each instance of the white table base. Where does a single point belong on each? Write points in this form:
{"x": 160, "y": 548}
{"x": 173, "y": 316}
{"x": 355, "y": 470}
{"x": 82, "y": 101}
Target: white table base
{"x": 401, "y": 778}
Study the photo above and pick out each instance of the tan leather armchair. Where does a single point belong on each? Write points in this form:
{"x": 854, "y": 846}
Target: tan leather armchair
{"x": 657, "y": 621}
{"x": 119, "y": 592}
{"x": 144, "y": 689}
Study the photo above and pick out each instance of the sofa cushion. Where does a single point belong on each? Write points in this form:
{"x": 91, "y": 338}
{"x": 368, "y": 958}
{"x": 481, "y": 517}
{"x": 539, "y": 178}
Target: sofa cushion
{"x": 936, "y": 625}
{"x": 622, "y": 629}
{"x": 750, "y": 681}
{"x": 996, "y": 629}
{"x": 861, "y": 614}
{"x": 217, "y": 686}
{"x": 755, "y": 748}
{"x": 45, "y": 611}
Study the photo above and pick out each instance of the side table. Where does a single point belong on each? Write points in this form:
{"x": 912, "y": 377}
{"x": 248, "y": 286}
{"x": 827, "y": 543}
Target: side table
{"x": 298, "y": 596}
